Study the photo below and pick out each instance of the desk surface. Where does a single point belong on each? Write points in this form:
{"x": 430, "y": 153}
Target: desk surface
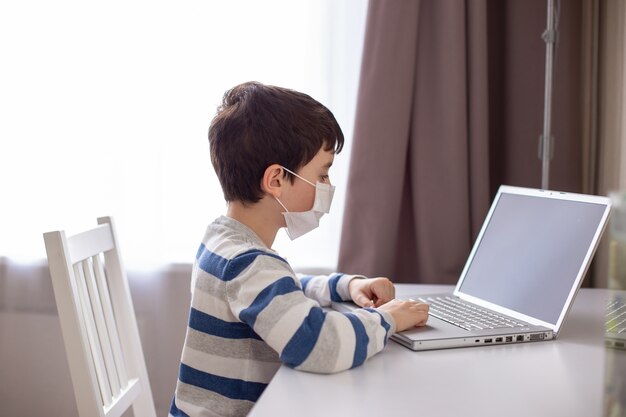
{"x": 564, "y": 377}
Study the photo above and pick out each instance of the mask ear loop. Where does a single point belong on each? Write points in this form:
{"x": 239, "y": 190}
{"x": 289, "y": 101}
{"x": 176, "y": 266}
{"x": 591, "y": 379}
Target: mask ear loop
{"x": 276, "y": 198}
{"x": 303, "y": 179}
{"x": 281, "y": 204}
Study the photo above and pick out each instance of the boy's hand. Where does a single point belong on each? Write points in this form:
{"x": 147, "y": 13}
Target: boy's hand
{"x": 372, "y": 292}
{"x": 407, "y": 314}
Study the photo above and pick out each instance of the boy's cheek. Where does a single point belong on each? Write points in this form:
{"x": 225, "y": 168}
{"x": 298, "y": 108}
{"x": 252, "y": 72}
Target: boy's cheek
{"x": 301, "y": 202}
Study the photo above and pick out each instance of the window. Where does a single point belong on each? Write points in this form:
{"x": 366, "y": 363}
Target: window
{"x": 106, "y": 108}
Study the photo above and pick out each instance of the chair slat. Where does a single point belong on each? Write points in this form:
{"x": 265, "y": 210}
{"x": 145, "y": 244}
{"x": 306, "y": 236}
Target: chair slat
{"x": 129, "y": 394}
{"x": 87, "y": 244}
{"x": 100, "y": 332}
{"x": 101, "y": 326}
{"x": 110, "y": 320}
{"x": 94, "y": 343}
{"x": 82, "y": 368}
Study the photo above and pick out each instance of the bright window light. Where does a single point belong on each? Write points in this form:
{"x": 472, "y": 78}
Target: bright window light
{"x": 106, "y": 106}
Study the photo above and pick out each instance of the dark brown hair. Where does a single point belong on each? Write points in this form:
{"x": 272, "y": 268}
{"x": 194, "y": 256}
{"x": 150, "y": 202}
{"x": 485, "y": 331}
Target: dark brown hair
{"x": 259, "y": 125}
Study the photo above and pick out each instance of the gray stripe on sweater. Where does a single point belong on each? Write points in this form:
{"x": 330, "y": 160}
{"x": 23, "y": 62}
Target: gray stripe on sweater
{"x": 211, "y": 284}
{"x": 275, "y": 310}
{"x": 218, "y": 404}
{"x": 231, "y": 348}
{"x": 270, "y": 268}
{"x": 325, "y": 353}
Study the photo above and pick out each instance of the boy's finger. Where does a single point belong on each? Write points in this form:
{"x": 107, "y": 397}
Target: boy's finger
{"x": 363, "y": 300}
{"x": 383, "y": 292}
{"x": 380, "y": 301}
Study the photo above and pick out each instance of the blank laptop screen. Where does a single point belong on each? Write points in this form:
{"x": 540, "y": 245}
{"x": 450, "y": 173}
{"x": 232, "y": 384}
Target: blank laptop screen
{"x": 531, "y": 253}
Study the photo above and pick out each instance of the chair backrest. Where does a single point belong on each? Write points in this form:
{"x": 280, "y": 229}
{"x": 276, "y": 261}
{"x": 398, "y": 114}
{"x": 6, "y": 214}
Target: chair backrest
{"x": 98, "y": 323}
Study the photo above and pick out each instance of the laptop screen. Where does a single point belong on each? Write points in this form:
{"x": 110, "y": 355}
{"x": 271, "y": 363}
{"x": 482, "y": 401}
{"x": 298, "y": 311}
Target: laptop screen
{"x": 531, "y": 253}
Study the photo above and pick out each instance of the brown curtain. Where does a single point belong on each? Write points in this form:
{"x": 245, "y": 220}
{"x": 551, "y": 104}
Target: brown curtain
{"x": 604, "y": 114}
{"x": 450, "y": 106}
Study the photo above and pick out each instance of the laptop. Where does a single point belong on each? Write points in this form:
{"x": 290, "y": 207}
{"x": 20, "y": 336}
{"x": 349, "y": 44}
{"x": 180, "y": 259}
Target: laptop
{"x": 522, "y": 274}
{"x": 615, "y": 335}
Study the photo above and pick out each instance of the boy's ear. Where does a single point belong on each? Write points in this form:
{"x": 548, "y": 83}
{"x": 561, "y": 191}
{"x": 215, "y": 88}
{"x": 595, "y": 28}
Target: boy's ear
{"x": 273, "y": 180}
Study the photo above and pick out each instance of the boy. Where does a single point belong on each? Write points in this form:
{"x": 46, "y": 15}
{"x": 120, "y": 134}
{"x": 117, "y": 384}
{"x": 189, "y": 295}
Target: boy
{"x": 272, "y": 149}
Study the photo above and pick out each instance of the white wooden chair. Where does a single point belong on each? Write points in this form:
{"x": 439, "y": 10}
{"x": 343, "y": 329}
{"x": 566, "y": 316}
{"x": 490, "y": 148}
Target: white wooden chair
{"x": 98, "y": 323}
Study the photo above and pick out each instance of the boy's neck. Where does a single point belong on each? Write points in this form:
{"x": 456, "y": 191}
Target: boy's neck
{"x": 263, "y": 218}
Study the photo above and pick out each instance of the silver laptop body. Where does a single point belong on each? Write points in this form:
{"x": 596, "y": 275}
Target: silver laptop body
{"x": 615, "y": 335}
{"x": 521, "y": 276}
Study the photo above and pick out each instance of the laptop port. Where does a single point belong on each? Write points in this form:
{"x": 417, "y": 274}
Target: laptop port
{"x": 520, "y": 338}
{"x": 509, "y": 339}
{"x": 488, "y": 340}
{"x": 537, "y": 336}
{"x": 498, "y": 340}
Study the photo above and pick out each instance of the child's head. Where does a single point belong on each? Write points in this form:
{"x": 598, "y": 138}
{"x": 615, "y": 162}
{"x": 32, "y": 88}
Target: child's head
{"x": 259, "y": 125}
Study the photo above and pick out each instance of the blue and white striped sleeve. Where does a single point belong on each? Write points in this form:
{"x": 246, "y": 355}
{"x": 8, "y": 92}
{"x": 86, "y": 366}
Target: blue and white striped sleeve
{"x": 267, "y": 296}
{"x": 327, "y": 288}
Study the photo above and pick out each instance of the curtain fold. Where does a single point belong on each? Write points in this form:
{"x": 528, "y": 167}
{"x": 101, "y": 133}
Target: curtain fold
{"x": 450, "y": 106}
{"x": 378, "y": 164}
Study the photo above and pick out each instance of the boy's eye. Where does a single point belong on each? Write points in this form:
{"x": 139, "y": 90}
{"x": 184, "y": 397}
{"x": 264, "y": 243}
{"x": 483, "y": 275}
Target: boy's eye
{"x": 324, "y": 178}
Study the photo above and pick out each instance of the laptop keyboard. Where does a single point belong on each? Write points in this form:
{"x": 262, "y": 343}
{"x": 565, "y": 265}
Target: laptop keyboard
{"x": 616, "y": 317}
{"x": 467, "y": 316}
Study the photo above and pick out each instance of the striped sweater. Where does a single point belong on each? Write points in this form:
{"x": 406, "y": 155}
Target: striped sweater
{"x": 250, "y": 313}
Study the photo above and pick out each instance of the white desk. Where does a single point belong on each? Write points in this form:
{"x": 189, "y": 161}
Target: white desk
{"x": 564, "y": 377}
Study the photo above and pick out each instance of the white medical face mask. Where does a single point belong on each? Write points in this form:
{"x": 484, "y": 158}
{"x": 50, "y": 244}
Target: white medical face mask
{"x": 299, "y": 223}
